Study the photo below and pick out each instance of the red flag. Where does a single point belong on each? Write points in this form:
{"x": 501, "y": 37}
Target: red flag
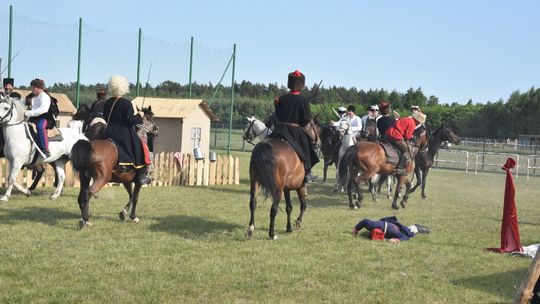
{"x": 509, "y": 229}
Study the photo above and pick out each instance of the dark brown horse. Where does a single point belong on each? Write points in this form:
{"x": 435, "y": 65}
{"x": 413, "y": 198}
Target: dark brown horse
{"x": 330, "y": 144}
{"x": 365, "y": 159}
{"x": 425, "y": 157}
{"x": 276, "y": 168}
{"x": 97, "y": 160}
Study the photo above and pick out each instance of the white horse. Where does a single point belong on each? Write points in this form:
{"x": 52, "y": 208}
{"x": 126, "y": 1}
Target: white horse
{"x": 20, "y": 150}
{"x": 76, "y": 125}
{"x": 347, "y": 140}
{"x": 255, "y": 128}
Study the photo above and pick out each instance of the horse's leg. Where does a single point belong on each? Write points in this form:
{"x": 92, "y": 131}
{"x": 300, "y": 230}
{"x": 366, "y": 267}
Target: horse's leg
{"x": 359, "y": 195}
{"x": 302, "y": 194}
{"x": 37, "y": 173}
{"x": 349, "y": 185}
{"x": 14, "y": 170}
{"x": 133, "y": 215}
{"x": 419, "y": 178}
{"x": 400, "y": 180}
{"x": 288, "y": 208}
{"x": 129, "y": 189}
{"x": 276, "y": 197}
{"x": 406, "y": 196}
{"x": 253, "y": 192}
{"x": 389, "y": 181}
{"x": 84, "y": 199}
{"x": 61, "y": 175}
{"x": 374, "y": 183}
{"x": 425, "y": 173}
{"x": 325, "y": 170}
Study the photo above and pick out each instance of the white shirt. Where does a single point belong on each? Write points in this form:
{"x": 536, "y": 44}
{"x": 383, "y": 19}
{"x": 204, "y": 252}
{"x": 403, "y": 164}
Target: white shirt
{"x": 356, "y": 124}
{"x": 40, "y": 105}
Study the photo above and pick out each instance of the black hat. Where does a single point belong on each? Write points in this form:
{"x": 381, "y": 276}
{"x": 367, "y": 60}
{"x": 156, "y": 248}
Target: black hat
{"x": 296, "y": 81}
{"x": 38, "y": 83}
{"x": 351, "y": 108}
{"x": 10, "y": 81}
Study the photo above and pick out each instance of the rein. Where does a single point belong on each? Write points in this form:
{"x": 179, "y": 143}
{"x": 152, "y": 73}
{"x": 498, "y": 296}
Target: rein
{"x": 10, "y": 114}
{"x": 250, "y": 132}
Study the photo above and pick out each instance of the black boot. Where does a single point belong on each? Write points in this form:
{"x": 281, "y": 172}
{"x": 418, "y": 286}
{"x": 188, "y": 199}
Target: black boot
{"x": 144, "y": 179}
{"x": 309, "y": 177}
{"x": 400, "y": 167}
{"x": 46, "y": 153}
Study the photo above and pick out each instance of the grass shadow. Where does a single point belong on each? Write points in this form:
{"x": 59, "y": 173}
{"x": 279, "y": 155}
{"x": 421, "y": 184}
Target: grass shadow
{"x": 496, "y": 283}
{"x": 47, "y": 216}
{"x": 191, "y": 227}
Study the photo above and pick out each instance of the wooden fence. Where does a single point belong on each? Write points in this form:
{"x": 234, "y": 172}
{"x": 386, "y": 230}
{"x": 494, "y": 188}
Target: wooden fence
{"x": 170, "y": 169}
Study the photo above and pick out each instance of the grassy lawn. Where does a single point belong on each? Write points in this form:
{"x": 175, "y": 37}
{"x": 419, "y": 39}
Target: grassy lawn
{"x": 190, "y": 247}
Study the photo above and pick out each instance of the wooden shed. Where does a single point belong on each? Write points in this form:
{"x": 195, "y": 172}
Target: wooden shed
{"x": 66, "y": 107}
{"x": 183, "y": 123}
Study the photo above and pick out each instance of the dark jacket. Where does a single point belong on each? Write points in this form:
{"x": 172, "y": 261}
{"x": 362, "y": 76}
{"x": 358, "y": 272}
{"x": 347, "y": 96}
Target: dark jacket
{"x": 294, "y": 109}
{"x": 121, "y": 123}
{"x": 384, "y": 123}
{"x": 394, "y": 229}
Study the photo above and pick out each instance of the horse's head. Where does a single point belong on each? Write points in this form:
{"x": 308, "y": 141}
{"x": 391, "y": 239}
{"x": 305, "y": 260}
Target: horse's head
{"x": 444, "y": 133}
{"x": 149, "y": 124}
{"x": 313, "y": 129}
{"x": 11, "y": 111}
{"x": 83, "y": 112}
{"x": 249, "y": 134}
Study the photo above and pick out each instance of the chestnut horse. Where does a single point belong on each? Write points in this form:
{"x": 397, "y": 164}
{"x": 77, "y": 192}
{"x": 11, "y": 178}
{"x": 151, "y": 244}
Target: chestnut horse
{"x": 97, "y": 160}
{"x": 276, "y": 168}
{"x": 366, "y": 159}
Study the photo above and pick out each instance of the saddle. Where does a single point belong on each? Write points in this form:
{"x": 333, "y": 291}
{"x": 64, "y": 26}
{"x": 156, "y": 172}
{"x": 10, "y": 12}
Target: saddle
{"x": 53, "y": 134}
{"x": 392, "y": 154}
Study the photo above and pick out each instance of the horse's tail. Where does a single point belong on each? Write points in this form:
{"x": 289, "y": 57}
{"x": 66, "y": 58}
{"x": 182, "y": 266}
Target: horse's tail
{"x": 346, "y": 160}
{"x": 262, "y": 164}
{"x": 81, "y": 154}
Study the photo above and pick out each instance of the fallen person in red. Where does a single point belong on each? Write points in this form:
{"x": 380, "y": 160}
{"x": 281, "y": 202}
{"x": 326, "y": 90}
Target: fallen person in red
{"x": 389, "y": 228}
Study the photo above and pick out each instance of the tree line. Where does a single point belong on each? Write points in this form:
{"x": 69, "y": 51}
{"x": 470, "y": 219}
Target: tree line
{"x": 500, "y": 119}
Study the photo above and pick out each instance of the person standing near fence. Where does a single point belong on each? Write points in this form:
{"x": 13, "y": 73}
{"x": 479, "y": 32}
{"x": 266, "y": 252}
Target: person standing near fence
{"x": 293, "y": 113}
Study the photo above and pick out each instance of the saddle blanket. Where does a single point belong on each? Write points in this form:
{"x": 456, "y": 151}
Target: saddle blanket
{"x": 392, "y": 154}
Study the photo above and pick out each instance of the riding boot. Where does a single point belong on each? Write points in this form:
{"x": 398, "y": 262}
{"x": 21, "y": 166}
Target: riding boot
{"x": 144, "y": 179}
{"x": 309, "y": 177}
{"x": 400, "y": 167}
{"x": 46, "y": 152}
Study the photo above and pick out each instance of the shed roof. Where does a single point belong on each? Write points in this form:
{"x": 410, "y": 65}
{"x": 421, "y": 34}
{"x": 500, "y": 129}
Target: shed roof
{"x": 174, "y": 108}
{"x": 64, "y": 102}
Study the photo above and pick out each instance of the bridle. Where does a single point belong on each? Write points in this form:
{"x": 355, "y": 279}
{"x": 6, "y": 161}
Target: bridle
{"x": 315, "y": 132}
{"x": 9, "y": 115}
{"x": 250, "y": 134}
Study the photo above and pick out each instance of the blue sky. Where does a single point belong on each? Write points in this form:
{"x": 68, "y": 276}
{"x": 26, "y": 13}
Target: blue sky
{"x": 456, "y": 50}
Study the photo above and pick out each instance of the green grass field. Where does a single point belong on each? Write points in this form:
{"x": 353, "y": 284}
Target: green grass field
{"x": 190, "y": 247}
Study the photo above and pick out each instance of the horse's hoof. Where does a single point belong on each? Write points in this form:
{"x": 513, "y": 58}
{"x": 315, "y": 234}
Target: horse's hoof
{"x": 249, "y": 233}
{"x": 402, "y": 204}
{"x": 28, "y": 193}
{"x": 289, "y": 230}
{"x": 273, "y": 238}
{"x": 298, "y": 224}
{"x": 122, "y": 215}
{"x": 83, "y": 223}
{"x": 335, "y": 190}
{"x": 135, "y": 220}
{"x": 424, "y": 197}
{"x": 53, "y": 197}
{"x": 395, "y": 207}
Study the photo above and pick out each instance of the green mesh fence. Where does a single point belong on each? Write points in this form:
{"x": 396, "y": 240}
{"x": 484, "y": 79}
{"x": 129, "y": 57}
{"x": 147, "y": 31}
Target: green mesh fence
{"x": 49, "y": 51}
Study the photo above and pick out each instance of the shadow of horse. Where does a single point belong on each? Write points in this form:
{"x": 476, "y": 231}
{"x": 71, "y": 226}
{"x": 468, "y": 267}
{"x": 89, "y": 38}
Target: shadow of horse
{"x": 47, "y": 216}
{"x": 191, "y": 227}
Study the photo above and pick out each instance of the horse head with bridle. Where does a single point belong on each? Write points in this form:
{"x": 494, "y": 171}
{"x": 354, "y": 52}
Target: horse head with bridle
{"x": 365, "y": 159}
{"x": 276, "y": 168}
{"x": 255, "y": 128}
{"x": 97, "y": 161}
{"x": 148, "y": 129}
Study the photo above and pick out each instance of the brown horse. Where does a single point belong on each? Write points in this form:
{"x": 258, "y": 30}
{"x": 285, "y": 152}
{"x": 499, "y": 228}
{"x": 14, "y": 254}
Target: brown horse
{"x": 365, "y": 159}
{"x": 97, "y": 160}
{"x": 276, "y": 168}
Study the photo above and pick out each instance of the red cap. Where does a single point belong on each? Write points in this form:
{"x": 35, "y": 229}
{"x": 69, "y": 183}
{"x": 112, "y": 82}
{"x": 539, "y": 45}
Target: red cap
{"x": 297, "y": 73}
{"x": 377, "y": 234}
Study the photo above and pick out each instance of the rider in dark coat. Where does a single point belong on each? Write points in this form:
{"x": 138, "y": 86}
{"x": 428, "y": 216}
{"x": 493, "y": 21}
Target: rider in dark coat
{"x": 121, "y": 122}
{"x": 293, "y": 113}
{"x": 8, "y": 88}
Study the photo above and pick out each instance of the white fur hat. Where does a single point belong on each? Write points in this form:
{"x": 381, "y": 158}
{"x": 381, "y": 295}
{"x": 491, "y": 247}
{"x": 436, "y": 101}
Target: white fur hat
{"x": 118, "y": 86}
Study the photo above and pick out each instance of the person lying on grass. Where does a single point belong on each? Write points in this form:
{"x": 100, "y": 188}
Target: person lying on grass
{"x": 389, "y": 228}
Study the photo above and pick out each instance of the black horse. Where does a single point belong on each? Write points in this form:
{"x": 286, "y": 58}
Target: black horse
{"x": 330, "y": 144}
{"x": 425, "y": 157}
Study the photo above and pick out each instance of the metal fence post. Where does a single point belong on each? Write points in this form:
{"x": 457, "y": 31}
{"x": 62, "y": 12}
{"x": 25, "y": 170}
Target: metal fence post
{"x": 10, "y": 39}
{"x": 232, "y": 101}
{"x": 78, "y": 94}
{"x": 190, "y": 66}
{"x": 139, "y": 63}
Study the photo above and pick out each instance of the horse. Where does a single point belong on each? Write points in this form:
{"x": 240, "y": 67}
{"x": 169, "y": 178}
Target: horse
{"x": 20, "y": 150}
{"x": 276, "y": 168}
{"x": 78, "y": 119}
{"x": 255, "y": 128}
{"x": 425, "y": 157}
{"x": 365, "y": 159}
{"x": 330, "y": 144}
{"x": 347, "y": 140}
{"x": 148, "y": 131}
{"x": 97, "y": 160}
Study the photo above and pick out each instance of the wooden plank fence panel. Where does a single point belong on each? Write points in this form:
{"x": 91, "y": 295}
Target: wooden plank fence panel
{"x": 212, "y": 173}
{"x": 2, "y": 171}
{"x": 49, "y": 176}
{"x": 236, "y": 171}
{"x": 219, "y": 175}
{"x": 170, "y": 169}
{"x": 231, "y": 171}
{"x": 200, "y": 166}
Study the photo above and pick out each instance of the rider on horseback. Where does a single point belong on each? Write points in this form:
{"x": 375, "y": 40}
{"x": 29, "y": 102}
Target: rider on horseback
{"x": 39, "y": 114}
{"x": 121, "y": 123}
{"x": 293, "y": 113}
{"x": 356, "y": 121}
{"x": 401, "y": 131}
{"x": 96, "y": 109}
{"x": 8, "y": 88}
{"x": 387, "y": 119}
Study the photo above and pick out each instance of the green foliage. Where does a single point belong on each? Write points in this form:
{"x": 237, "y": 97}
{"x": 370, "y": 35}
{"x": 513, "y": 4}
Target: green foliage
{"x": 502, "y": 119}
